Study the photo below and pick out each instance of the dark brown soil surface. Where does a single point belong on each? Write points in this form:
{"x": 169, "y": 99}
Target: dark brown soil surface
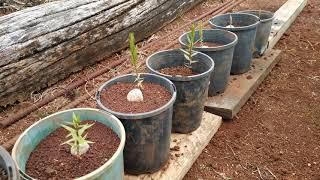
{"x": 3, "y": 174}
{"x": 154, "y": 97}
{"x": 278, "y": 129}
{"x": 175, "y": 71}
{"x": 207, "y": 44}
{"x": 50, "y": 160}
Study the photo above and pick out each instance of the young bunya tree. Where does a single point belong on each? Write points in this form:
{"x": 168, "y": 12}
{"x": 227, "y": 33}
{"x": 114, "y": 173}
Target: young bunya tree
{"x": 135, "y": 95}
{"x": 230, "y": 22}
{"x": 78, "y": 138}
{"x": 189, "y": 53}
{"x": 200, "y": 30}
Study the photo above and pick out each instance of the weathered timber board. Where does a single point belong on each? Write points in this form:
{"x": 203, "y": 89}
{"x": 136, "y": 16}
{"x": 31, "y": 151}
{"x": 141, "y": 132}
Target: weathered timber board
{"x": 44, "y": 44}
{"x": 241, "y": 87}
{"x": 284, "y": 17}
{"x": 191, "y": 146}
{"x": 239, "y": 91}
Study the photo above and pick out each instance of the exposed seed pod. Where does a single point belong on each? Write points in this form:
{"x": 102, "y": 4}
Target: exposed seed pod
{"x": 135, "y": 95}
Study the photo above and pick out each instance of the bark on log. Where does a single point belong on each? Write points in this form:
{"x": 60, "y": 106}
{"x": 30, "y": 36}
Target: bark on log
{"x": 44, "y": 44}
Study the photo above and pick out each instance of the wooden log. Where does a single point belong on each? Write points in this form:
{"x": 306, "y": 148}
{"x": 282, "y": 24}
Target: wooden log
{"x": 44, "y": 44}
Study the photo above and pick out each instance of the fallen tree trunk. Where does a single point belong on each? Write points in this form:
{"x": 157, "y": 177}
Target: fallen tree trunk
{"x": 44, "y": 44}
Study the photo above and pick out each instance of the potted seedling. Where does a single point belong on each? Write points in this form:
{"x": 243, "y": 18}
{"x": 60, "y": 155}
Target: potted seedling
{"x": 263, "y": 31}
{"x": 245, "y": 27}
{"x": 57, "y": 147}
{"x": 219, "y": 45}
{"x": 143, "y": 102}
{"x": 78, "y": 141}
{"x": 8, "y": 169}
{"x": 190, "y": 71}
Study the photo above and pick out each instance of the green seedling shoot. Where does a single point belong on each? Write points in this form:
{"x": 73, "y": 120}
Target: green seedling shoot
{"x": 78, "y": 141}
{"x": 134, "y": 59}
{"x": 201, "y": 33}
{"x": 189, "y": 53}
{"x": 230, "y": 22}
{"x": 135, "y": 95}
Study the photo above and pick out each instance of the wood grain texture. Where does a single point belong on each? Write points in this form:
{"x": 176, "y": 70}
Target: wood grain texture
{"x": 44, "y": 44}
{"x": 239, "y": 90}
{"x": 284, "y": 17}
{"x": 190, "y": 147}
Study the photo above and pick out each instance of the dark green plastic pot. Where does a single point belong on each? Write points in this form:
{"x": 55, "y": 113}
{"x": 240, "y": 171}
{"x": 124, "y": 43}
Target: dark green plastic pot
{"x": 192, "y": 91}
{"x": 148, "y": 134}
{"x": 263, "y": 31}
{"x": 31, "y": 137}
{"x": 221, "y": 55}
{"x": 246, "y": 28}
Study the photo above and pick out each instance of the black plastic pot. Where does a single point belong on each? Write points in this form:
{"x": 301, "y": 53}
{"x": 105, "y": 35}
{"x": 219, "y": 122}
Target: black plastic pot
{"x": 263, "y": 31}
{"x": 147, "y": 134}
{"x": 192, "y": 91}
{"x": 221, "y": 55}
{"x": 7, "y": 163}
{"x": 246, "y": 28}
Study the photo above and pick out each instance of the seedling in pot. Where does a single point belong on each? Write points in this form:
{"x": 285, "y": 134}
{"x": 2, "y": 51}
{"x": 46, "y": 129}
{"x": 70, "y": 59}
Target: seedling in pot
{"x": 189, "y": 53}
{"x": 201, "y": 34}
{"x": 78, "y": 142}
{"x": 135, "y": 95}
{"x": 230, "y": 22}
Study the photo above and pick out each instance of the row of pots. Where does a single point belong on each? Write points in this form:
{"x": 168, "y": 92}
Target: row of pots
{"x": 145, "y": 137}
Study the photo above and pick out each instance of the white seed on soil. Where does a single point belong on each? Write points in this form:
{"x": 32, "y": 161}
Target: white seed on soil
{"x": 135, "y": 95}
{"x": 230, "y": 26}
{"x": 83, "y": 148}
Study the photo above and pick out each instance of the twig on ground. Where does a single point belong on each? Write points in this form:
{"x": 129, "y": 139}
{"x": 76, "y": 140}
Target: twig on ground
{"x": 259, "y": 173}
{"x": 222, "y": 175}
{"x": 234, "y": 154}
{"x": 275, "y": 177}
{"x": 85, "y": 88}
{"x": 143, "y": 53}
{"x": 307, "y": 41}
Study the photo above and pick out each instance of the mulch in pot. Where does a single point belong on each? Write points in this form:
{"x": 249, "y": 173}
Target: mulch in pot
{"x": 115, "y": 97}
{"x": 51, "y": 160}
{"x": 207, "y": 44}
{"x": 179, "y": 70}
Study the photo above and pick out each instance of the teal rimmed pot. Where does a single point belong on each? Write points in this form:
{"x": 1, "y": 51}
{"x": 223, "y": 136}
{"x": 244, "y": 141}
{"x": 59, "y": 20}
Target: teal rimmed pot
{"x": 31, "y": 137}
{"x": 245, "y": 27}
{"x": 148, "y": 134}
{"x": 192, "y": 91}
{"x": 263, "y": 31}
{"x": 221, "y": 53}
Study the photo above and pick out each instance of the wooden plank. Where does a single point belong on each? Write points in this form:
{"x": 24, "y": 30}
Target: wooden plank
{"x": 190, "y": 147}
{"x": 239, "y": 91}
{"x": 241, "y": 87}
{"x": 284, "y": 17}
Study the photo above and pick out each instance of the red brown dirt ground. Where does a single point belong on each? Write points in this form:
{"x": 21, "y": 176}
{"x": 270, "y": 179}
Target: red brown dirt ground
{"x": 278, "y": 130}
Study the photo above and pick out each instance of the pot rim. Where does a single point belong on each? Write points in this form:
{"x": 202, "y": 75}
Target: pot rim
{"x": 263, "y": 11}
{"x": 137, "y": 115}
{"x": 217, "y": 48}
{"x": 181, "y": 78}
{"x": 240, "y": 28}
{"x": 98, "y": 170}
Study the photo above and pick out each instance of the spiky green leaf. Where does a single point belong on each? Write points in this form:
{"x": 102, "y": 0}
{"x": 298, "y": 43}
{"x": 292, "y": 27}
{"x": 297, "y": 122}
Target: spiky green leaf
{"x": 200, "y": 31}
{"x": 85, "y": 127}
{"x": 133, "y": 50}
